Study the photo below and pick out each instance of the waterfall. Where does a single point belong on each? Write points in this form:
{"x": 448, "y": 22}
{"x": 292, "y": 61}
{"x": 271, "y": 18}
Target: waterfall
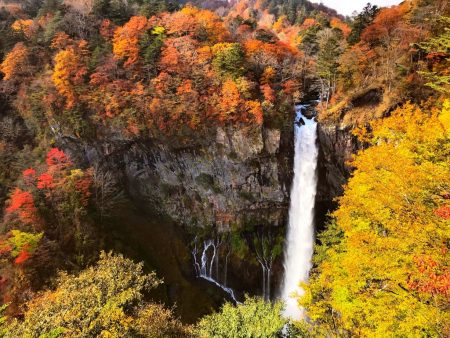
{"x": 300, "y": 232}
{"x": 208, "y": 260}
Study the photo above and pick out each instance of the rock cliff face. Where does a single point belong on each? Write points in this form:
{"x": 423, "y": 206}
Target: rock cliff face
{"x": 240, "y": 176}
{"x": 235, "y": 178}
{"x": 336, "y": 147}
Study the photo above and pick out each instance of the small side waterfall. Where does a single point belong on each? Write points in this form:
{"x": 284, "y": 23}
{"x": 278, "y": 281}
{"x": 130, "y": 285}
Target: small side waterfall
{"x": 208, "y": 266}
{"x": 300, "y": 233}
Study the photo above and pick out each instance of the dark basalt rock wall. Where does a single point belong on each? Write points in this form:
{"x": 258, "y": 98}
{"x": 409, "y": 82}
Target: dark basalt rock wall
{"x": 234, "y": 178}
{"x": 238, "y": 177}
{"x": 336, "y": 147}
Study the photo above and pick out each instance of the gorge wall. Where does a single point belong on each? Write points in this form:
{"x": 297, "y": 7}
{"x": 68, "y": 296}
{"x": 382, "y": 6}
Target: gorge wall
{"x": 336, "y": 146}
{"x": 232, "y": 180}
{"x": 239, "y": 176}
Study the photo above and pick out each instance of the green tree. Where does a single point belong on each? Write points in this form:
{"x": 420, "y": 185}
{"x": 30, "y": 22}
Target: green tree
{"x": 101, "y": 7}
{"x": 330, "y": 49}
{"x": 149, "y": 8}
{"x": 255, "y": 318}
{"x": 438, "y": 50}
{"x": 228, "y": 59}
{"x": 309, "y": 43}
{"x": 118, "y": 11}
{"x": 361, "y": 21}
{"x": 150, "y": 48}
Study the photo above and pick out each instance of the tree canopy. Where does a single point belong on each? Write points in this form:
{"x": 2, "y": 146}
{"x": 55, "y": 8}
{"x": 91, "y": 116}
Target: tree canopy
{"x": 254, "y": 318}
{"x": 383, "y": 269}
{"x": 104, "y": 300}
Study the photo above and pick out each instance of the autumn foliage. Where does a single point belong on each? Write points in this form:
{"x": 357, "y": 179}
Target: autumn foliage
{"x": 57, "y": 187}
{"x": 16, "y": 62}
{"x": 431, "y": 277}
{"x": 386, "y": 255}
{"x": 22, "y": 257}
{"x": 69, "y": 72}
{"x": 27, "y": 27}
{"x": 170, "y": 72}
{"x": 443, "y": 212}
{"x": 157, "y": 76}
{"x": 22, "y": 205}
{"x": 338, "y": 24}
{"x": 126, "y": 39}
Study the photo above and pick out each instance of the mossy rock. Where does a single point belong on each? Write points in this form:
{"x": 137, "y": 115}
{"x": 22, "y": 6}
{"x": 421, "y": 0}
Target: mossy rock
{"x": 208, "y": 182}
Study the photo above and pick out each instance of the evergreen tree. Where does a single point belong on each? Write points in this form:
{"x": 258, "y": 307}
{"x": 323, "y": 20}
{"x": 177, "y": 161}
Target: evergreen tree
{"x": 330, "y": 49}
{"x": 361, "y": 21}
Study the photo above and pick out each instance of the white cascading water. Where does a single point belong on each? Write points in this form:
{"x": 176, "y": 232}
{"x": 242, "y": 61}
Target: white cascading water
{"x": 300, "y": 233}
{"x": 204, "y": 268}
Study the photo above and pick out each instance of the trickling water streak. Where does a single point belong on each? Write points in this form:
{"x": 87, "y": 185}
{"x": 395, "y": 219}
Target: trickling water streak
{"x": 205, "y": 269}
{"x": 300, "y": 233}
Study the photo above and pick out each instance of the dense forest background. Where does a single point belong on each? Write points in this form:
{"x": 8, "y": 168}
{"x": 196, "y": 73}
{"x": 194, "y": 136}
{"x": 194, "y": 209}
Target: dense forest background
{"x": 171, "y": 72}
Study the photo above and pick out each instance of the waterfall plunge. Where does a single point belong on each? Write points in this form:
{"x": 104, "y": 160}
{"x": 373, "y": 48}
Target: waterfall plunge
{"x": 300, "y": 233}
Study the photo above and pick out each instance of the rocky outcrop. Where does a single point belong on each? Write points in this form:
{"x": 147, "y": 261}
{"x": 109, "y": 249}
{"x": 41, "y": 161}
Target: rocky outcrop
{"x": 336, "y": 147}
{"x": 235, "y": 178}
{"x": 238, "y": 177}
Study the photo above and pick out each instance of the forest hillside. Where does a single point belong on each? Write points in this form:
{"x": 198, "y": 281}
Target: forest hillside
{"x": 147, "y": 161}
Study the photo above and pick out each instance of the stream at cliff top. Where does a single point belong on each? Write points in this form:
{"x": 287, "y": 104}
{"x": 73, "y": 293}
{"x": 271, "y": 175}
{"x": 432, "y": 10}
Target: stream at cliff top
{"x": 300, "y": 233}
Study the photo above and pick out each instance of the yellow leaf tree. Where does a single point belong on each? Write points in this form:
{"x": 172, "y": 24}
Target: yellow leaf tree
{"x": 382, "y": 268}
